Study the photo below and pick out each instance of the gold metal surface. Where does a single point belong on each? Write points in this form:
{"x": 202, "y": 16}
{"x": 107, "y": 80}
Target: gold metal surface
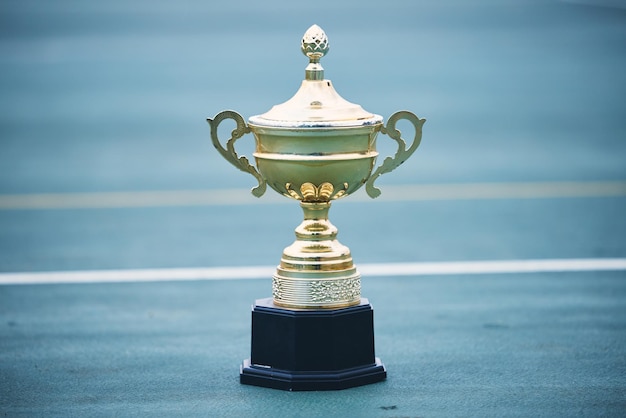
{"x": 316, "y": 271}
{"x": 315, "y": 46}
{"x": 402, "y": 153}
{"x": 316, "y": 147}
{"x": 229, "y": 152}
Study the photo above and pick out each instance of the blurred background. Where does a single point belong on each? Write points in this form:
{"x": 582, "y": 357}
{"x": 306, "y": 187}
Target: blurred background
{"x": 112, "y": 96}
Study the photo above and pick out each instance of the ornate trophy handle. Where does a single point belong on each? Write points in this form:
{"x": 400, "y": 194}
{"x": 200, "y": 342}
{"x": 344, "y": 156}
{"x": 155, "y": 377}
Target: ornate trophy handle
{"x": 229, "y": 152}
{"x": 402, "y": 154}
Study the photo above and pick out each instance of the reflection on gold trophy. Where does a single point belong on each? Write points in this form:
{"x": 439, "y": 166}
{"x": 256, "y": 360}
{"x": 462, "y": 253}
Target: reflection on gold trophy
{"x": 315, "y": 148}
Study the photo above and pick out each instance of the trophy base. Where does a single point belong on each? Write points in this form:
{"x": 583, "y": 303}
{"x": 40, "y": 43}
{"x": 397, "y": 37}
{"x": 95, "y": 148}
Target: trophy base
{"x": 301, "y": 381}
{"x": 321, "y": 349}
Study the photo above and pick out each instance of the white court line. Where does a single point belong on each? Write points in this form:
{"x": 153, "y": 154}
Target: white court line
{"x": 415, "y": 192}
{"x": 367, "y": 270}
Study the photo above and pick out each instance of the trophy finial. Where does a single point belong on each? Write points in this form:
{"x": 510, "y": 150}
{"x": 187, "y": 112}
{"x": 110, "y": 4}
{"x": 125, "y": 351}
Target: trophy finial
{"x": 315, "y": 43}
{"x": 315, "y": 46}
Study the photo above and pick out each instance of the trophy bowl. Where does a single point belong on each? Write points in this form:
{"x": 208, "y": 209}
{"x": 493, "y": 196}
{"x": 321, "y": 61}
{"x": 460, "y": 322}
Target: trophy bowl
{"x": 315, "y": 148}
{"x": 342, "y": 159}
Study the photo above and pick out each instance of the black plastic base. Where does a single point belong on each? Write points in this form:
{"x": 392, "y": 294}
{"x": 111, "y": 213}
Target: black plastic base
{"x": 299, "y": 381}
{"x": 325, "y": 349}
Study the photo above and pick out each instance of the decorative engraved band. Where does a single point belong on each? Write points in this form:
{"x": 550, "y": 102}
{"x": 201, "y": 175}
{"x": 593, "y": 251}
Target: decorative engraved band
{"x": 318, "y": 292}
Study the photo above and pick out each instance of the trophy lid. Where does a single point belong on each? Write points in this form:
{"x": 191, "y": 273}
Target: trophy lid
{"x": 316, "y": 104}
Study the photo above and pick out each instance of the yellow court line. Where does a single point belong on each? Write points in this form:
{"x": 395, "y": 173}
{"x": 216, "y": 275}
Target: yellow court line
{"x": 214, "y": 197}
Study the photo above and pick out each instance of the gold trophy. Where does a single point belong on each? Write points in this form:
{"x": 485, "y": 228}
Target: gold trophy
{"x": 316, "y": 332}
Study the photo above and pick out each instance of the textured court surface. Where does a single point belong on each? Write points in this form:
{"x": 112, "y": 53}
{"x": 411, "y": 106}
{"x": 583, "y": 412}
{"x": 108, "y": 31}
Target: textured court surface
{"x": 106, "y": 164}
{"x": 533, "y": 345}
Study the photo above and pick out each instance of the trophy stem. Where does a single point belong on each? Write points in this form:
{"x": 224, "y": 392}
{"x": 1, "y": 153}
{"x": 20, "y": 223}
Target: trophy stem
{"x": 316, "y": 230}
{"x": 316, "y": 271}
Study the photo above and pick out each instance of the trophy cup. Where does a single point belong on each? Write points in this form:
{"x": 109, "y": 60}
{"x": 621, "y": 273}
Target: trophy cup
{"x": 316, "y": 332}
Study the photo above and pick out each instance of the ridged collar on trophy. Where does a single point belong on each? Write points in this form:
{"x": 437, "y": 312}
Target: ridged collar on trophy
{"x": 316, "y": 105}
